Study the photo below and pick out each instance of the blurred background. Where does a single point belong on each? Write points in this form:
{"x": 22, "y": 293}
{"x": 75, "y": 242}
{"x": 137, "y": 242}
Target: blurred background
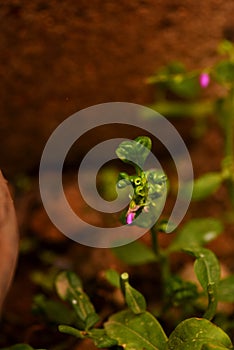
{"x": 58, "y": 57}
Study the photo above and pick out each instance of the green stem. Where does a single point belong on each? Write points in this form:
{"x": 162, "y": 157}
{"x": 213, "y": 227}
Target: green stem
{"x": 182, "y": 109}
{"x": 229, "y": 145}
{"x": 161, "y": 256}
{"x": 154, "y": 240}
{"x": 229, "y": 128}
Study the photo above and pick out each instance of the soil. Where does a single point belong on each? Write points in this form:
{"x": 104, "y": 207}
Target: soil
{"x": 58, "y": 58}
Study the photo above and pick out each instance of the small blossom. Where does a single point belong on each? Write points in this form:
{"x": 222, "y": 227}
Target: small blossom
{"x": 130, "y": 218}
{"x": 204, "y": 80}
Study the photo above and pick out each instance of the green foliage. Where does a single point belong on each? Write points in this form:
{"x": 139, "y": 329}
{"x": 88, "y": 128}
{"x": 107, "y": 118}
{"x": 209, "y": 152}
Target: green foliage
{"x": 134, "y": 299}
{"x": 98, "y": 336}
{"x": 54, "y": 311}
{"x": 136, "y": 328}
{"x": 133, "y": 331}
{"x": 113, "y": 277}
{"x": 135, "y": 253}
{"x": 196, "y": 232}
{"x": 69, "y": 288}
{"x": 195, "y": 333}
{"x": 135, "y": 152}
{"x": 206, "y": 185}
{"x": 149, "y": 187}
{"x": 207, "y": 271}
{"x": 226, "y": 289}
{"x": 178, "y": 292}
{"x": 224, "y": 72}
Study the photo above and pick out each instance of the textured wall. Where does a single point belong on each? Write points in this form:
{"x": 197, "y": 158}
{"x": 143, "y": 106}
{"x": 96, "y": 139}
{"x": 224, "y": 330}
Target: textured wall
{"x": 57, "y": 57}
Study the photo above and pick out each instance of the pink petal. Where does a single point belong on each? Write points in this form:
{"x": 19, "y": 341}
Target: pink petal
{"x": 130, "y": 217}
{"x": 204, "y": 80}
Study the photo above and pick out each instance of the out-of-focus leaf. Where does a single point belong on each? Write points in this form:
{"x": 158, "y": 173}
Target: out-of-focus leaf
{"x": 69, "y": 288}
{"x": 197, "y": 232}
{"x": 179, "y": 291}
{"x": 135, "y": 253}
{"x": 206, "y": 185}
{"x": 226, "y": 289}
{"x": 113, "y": 277}
{"x": 54, "y": 311}
{"x": 224, "y": 72}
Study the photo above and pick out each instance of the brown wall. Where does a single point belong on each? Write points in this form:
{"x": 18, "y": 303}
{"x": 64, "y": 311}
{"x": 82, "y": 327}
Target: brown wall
{"x": 57, "y": 57}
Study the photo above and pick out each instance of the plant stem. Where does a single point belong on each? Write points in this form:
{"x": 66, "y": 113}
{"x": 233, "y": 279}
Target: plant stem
{"x": 162, "y": 257}
{"x": 182, "y": 109}
{"x": 229, "y": 144}
{"x": 229, "y": 128}
{"x": 154, "y": 240}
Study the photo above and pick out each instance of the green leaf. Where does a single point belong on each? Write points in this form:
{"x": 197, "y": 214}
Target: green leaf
{"x": 193, "y": 333}
{"x": 135, "y": 152}
{"x": 69, "y": 288}
{"x": 101, "y": 339}
{"x": 132, "y": 331}
{"x": 184, "y": 86}
{"x": 224, "y": 72}
{"x": 98, "y": 336}
{"x": 135, "y": 253}
{"x": 197, "y": 232}
{"x": 226, "y": 289}
{"x": 179, "y": 291}
{"x": 213, "y": 347}
{"x": 44, "y": 280}
{"x": 225, "y": 47}
{"x": 134, "y": 299}
{"x": 206, "y": 185}
{"x": 71, "y": 331}
{"x": 54, "y": 311}
{"x": 113, "y": 277}
{"x": 207, "y": 270}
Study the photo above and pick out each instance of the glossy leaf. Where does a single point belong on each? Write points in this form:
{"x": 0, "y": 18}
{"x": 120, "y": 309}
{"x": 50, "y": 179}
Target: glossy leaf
{"x": 207, "y": 270}
{"x": 132, "y": 331}
{"x": 226, "y": 289}
{"x": 206, "y": 185}
{"x": 135, "y": 253}
{"x": 193, "y": 333}
{"x": 135, "y": 152}
{"x": 197, "y": 232}
{"x": 69, "y": 288}
{"x": 134, "y": 299}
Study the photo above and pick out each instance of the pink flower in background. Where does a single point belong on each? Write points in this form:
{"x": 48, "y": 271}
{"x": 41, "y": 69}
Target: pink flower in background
{"x": 204, "y": 80}
{"x": 130, "y": 218}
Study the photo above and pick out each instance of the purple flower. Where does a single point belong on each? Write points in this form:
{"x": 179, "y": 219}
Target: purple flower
{"x": 204, "y": 80}
{"x": 130, "y": 218}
